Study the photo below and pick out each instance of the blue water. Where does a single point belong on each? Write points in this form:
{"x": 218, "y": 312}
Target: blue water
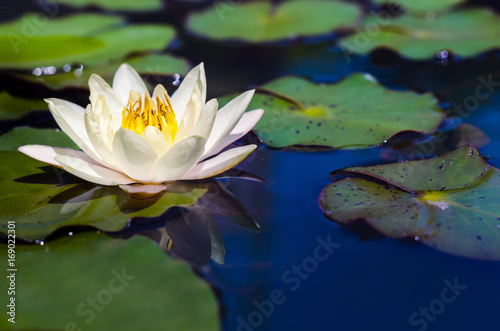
{"x": 363, "y": 285}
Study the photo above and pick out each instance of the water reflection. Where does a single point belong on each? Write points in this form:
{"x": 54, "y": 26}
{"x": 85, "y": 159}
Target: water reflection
{"x": 191, "y": 233}
{"x": 181, "y": 219}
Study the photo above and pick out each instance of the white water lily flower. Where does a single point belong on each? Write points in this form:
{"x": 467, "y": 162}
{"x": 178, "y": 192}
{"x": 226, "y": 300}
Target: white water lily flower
{"x": 128, "y": 136}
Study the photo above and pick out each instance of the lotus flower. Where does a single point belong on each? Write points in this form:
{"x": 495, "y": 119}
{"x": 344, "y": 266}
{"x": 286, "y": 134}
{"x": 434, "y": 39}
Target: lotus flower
{"x": 127, "y": 136}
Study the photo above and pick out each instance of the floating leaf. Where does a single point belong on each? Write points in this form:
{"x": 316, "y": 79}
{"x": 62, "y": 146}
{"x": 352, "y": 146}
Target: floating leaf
{"x": 122, "y": 5}
{"x": 24, "y": 135}
{"x": 93, "y": 282}
{"x": 12, "y": 107}
{"x": 153, "y": 64}
{"x": 422, "y": 5}
{"x": 40, "y": 202}
{"x": 449, "y": 202}
{"x": 84, "y": 38}
{"x": 356, "y": 113}
{"x": 465, "y": 33}
{"x": 259, "y": 21}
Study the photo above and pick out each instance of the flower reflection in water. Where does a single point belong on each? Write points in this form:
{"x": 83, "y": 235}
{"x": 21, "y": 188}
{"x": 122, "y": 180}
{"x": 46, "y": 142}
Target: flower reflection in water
{"x": 191, "y": 233}
{"x": 181, "y": 219}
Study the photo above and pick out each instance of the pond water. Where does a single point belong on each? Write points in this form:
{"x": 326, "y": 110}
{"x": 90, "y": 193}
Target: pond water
{"x": 303, "y": 271}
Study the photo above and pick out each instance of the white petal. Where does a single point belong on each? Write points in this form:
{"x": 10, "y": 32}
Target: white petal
{"x": 206, "y": 120}
{"x": 191, "y": 93}
{"x": 141, "y": 191}
{"x": 98, "y": 133}
{"x": 76, "y": 163}
{"x": 179, "y": 159}
{"x": 227, "y": 118}
{"x": 69, "y": 117}
{"x": 160, "y": 92}
{"x": 127, "y": 79}
{"x": 87, "y": 169}
{"x": 134, "y": 155}
{"x": 153, "y": 136}
{"x": 98, "y": 87}
{"x": 246, "y": 123}
{"x": 220, "y": 163}
{"x": 47, "y": 154}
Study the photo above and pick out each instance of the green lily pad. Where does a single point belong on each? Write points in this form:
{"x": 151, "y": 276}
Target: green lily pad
{"x": 12, "y": 107}
{"x": 152, "y": 64}
{"x": 24, "y": 135}
{"x": 86, "y": 39}
{"x": 449, "y": 202}
{"x": 37, "y": 197}
{"x": 93, "y": 282}
{"x": 298, "y": 112}
{"x": 121, "y": 5}
{"x": 259, "y": 21}
{"x": 422, "y": 5}
{"x": 466, "y": 33}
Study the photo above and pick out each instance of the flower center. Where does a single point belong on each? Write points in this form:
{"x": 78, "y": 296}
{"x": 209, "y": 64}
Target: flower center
{"x": 137, "y": 115}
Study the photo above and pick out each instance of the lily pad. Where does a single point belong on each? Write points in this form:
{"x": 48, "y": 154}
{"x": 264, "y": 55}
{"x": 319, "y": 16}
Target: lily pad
{"x": 422, "y": 5}
{"x": 34, "y": 40}
{"x": 91, "y": 282}
{"x": 260, "y": 21}
{"x": 298, "y": 112}
{"x": 43, "y": 198}
{"x": 121, "y": 5}
{"x": 12, "y": 107}
{"x": 24, "y": 135}
{"x": 465, "y": 33}
{"x": 449, "y": 202}
{"x": 152, "y": 64}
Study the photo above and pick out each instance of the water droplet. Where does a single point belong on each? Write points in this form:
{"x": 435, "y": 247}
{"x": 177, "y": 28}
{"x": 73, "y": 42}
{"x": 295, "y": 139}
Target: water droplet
{"x": 49, "y": 70}
{"x": 78, "y": 72}
{"x": 443, "y": 55}
{"x": 37, "y": 71}
{"x": 177, "y": 79}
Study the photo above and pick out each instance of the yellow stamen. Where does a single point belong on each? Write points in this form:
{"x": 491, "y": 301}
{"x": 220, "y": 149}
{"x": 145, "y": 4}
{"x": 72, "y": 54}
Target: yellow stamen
{"x": 137, "y": 115}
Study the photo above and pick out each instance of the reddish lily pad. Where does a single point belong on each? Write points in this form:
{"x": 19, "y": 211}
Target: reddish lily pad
{"x": 449, "y": 202}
